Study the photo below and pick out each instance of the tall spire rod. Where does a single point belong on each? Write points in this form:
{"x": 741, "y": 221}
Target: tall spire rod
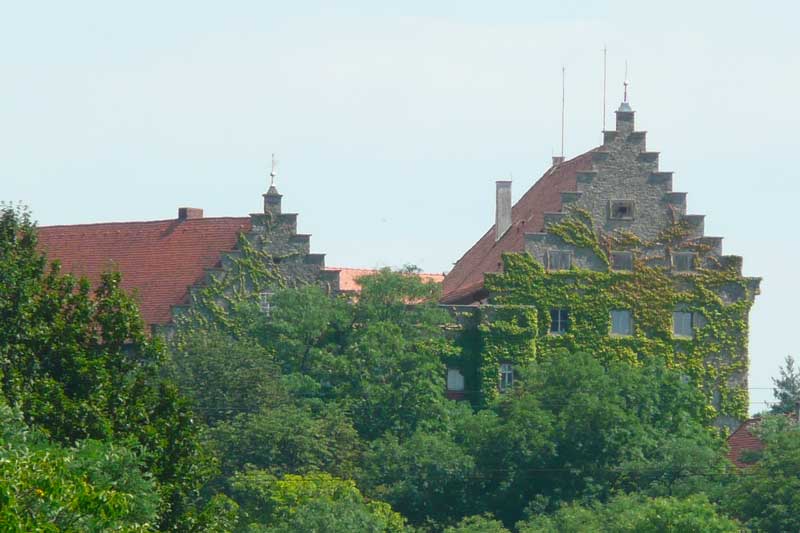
{"x": 605, "y": 77}
{"x": 625, "y": 83}
{"x": 563, "y": 105}
{"x": 273, "y": 171}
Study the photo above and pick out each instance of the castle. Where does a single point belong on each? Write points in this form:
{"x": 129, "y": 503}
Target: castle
{"x": 599, "y": 255}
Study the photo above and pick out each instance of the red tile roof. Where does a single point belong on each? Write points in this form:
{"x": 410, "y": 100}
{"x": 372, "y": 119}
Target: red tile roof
{"x": 464, "y": 283}
{"x": 159, "y": 259}
{"x": 348, "y": 277}
{"x": 742, "y": 440}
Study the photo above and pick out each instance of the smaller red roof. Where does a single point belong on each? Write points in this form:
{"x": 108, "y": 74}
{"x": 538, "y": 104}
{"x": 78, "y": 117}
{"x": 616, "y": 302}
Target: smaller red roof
{"x": 744, "y": 440}
{"x": 348, "y": 277}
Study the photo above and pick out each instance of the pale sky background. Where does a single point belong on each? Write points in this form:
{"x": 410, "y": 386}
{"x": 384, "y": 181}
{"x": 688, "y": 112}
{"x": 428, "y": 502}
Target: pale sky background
{"x": 391, "y": 123}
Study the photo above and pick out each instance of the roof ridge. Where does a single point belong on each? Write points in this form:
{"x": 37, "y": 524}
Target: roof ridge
{"x": 161, "y": 221}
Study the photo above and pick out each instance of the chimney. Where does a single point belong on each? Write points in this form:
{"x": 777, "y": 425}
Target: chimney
{"x": 503, "y": 209}
{"x": 558, "y": 159}
{"x": 189, "y": 213}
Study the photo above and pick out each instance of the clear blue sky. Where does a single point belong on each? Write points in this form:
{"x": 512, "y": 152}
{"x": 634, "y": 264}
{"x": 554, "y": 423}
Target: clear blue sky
{"x": 391, "y": 123}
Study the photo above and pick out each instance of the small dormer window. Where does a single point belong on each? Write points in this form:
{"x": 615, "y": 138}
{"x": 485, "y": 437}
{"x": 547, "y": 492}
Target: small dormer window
{"x": 683, "y": 261}
{"x": 620, "y": 210}
{"x": 622, "y": 261}
{"x": 558, "y": 260}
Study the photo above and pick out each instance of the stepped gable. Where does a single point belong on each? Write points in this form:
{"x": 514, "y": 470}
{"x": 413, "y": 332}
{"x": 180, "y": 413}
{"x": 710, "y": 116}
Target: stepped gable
{"x": 166, "y": 262}
{"x": 157, "y": 259}
{"x": 464, "y": 283}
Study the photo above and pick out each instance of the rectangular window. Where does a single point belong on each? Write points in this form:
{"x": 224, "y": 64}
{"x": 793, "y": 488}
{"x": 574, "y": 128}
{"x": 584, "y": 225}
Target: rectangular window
{"x": 683, "y": 261}
{"x": 455, "y": 380}
{"x": 557, "y": 260}
{"x": 621, "y": 323}
{"x": 620, "y": 210}
{"x": 265, "y": 302}
{"x": 682, "y": 324}
{"x": 506, "y": 376}
{"x": 621, "y": 261}
{"x": 559, "y": 321}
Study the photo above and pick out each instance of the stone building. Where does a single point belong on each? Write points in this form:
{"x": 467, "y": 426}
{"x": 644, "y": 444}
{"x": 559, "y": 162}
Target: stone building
{"x": 170, "y": 264}
{"x": 611, "y": 263}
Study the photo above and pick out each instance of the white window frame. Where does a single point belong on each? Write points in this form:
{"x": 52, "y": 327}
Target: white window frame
{"x": 264, "y": 302}
{"x": 506, "y": 376}
{"x": 614, "y": 267}
{"x": 561, "y": 254}
{"x": 622, "y": 313}
{"x": 679, "y": 317}
{"x": 559, "y": 324}
{"x": 455, "y": 380}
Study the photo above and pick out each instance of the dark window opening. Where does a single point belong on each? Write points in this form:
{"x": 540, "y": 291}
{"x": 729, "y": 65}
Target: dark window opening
{"x": 621, "y": 260}
{"x": 621, "y": 210}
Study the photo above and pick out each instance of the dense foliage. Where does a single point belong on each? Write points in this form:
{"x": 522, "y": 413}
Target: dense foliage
{"x": 329, "y": 414}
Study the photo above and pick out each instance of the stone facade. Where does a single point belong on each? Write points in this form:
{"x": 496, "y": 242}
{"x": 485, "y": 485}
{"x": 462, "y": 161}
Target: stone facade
{"x": 622, "y": 245}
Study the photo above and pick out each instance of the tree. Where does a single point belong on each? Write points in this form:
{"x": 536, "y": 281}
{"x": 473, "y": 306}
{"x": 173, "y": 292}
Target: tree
{"x": 316, "y": 502}
{"x": 787, "y": 388}
{"x": 92, "y": 487}
{"x": 575, "y": 429}
{"x": 766, "y": 496}
{"x": 635, "y": 514}
{"x": 224, "y": 376}
{"x": 426, "y": 477}
{"x": 288, "y": 439}
{"x": 478, "y": 524}
{"x": 78, "y": 364}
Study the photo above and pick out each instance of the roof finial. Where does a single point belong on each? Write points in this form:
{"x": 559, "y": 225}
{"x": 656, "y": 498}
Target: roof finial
{"x": 273, "y": 172}
{"x": 625, "y": 83}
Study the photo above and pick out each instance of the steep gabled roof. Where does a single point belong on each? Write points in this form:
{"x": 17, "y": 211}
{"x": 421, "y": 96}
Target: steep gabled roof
{"x": 158, "y": 259}
{"x": 463, "y": 284}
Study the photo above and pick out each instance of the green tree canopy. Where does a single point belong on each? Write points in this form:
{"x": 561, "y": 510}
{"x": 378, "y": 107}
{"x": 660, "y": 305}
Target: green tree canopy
{"x": 635, "y": 514}
{"x": 787, "y": 388}
{"x": 79, "y": 364}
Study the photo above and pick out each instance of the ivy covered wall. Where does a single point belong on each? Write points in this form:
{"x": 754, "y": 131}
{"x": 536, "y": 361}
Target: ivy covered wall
{"x": 517, "y": 327}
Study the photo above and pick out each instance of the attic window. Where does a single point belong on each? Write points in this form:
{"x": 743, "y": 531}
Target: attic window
{"x": 621, "y": 260}
{"x": 620, "y": 210}
{"x": 558, "y": 260}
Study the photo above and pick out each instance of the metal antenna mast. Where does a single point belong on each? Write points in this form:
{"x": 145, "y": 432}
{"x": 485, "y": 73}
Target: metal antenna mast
{"x": 605, "y": 77}
{"x": 625, "y": 83}
{"x": 273, "y": 172}
{"x": 563, "y": 105}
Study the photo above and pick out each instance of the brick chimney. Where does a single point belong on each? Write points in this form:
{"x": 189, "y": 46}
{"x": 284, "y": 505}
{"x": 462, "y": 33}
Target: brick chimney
{"x": 189, "y": 213}
{"x": 502, "y": 209}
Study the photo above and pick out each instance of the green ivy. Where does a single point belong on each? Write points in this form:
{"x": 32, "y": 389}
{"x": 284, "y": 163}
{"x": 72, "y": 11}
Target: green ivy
{"x": 716, "y": 354}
